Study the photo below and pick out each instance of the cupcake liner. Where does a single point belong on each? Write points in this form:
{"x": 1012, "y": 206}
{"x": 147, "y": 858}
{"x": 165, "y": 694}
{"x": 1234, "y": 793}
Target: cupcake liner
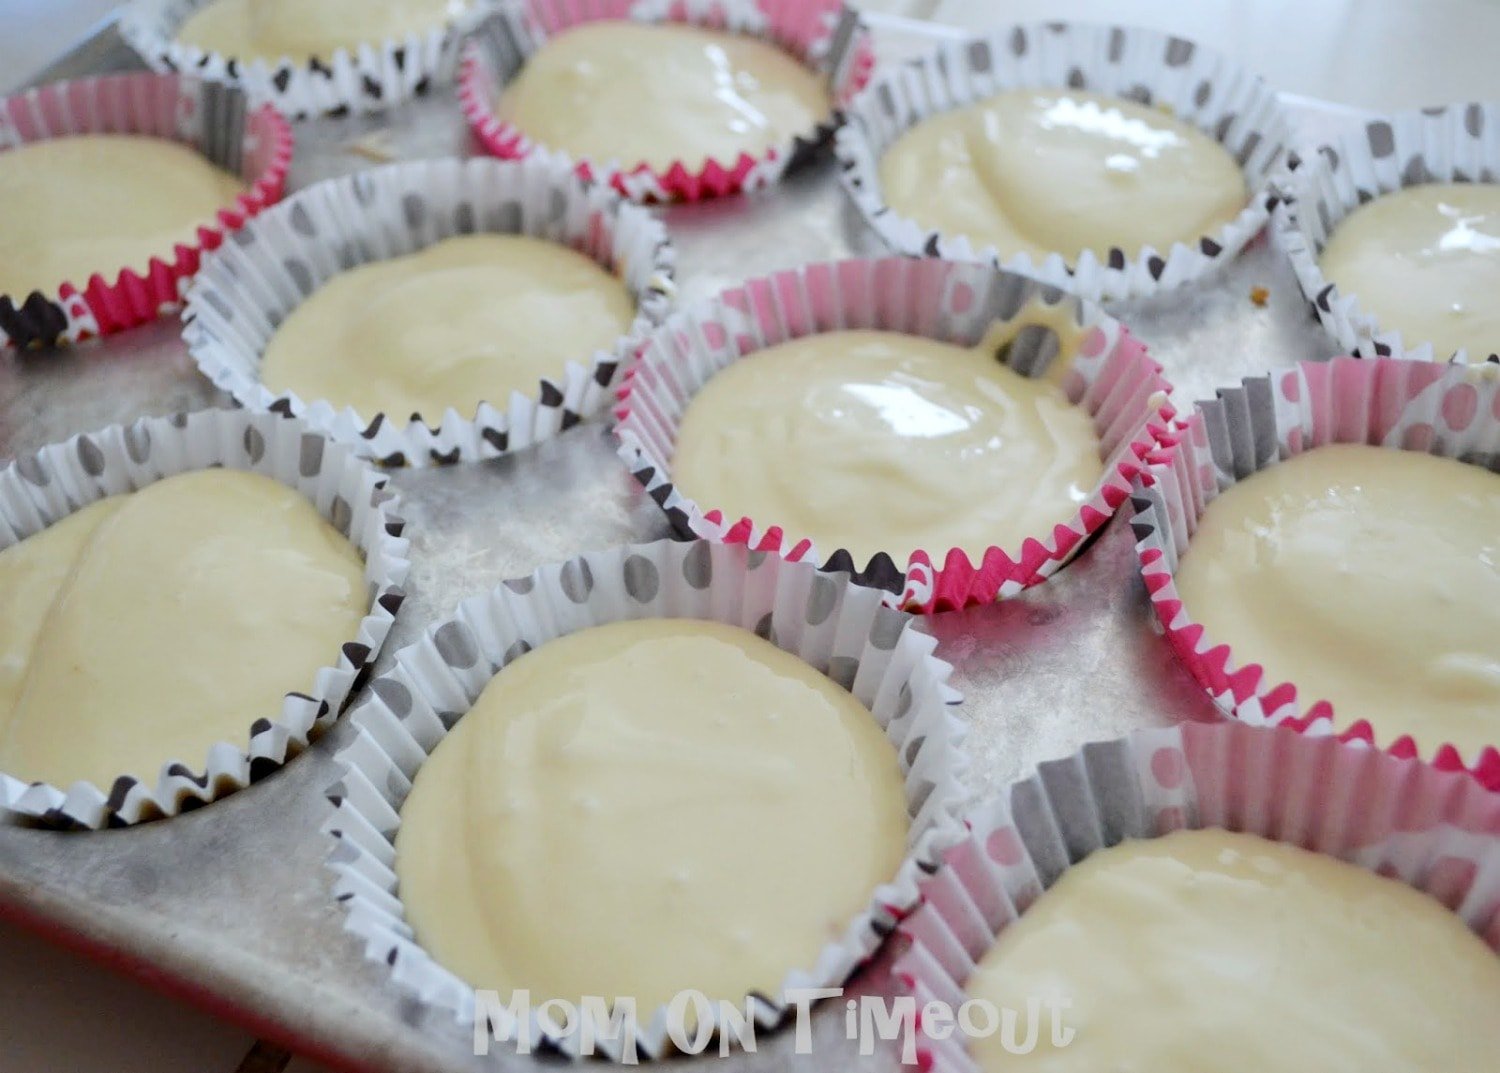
{"x": 1405, "y": 820}
{"x": 1447, "y": 410}
{"x": 1452, "y": 143}
{"x": 882, "y": 657}
{"x": 39, "y": 489}
{"x": 1188, "y": 80}
{"x": 1112, "y": 377}
{"x": 247, "y": 288}
{"x": 827, "y": 35}
{"x": 215, "y": 120}
{"x": 366, "y": 79}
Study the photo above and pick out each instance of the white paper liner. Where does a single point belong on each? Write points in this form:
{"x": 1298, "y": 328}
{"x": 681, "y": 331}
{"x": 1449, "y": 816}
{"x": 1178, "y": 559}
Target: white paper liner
{"x": 1436, "y": 832}
{"x": 370, "y": 78}
{"x": 1452, "y": 411}
{"x": 1453, "y": 143}
{"x": 827, "y": 35}
{"x": 37, "y": 490}
{"x": 1194, "y": 83}
{"x": 1112, "y": 378}
{"x": 883, "y": 657}
{"x": 246, "y": 289}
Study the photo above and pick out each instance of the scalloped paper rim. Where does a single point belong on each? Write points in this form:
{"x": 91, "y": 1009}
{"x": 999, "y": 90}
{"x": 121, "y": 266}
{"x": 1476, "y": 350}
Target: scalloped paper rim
{"x": 1198, "y": 85}
{"x": 1443, "y": 144}
{"x": 826, "y": 34}
{"x": 367, "y": 79}
{"x": 1434, "y": 831}
{"x": 37, "y": 490}
{"x": 1116, "y": 381}
{"x": 213, "y": 119}
{"x": 247, "y": 288}
{"x": 1447, "y": 410}
{"x": 883, "y": 658}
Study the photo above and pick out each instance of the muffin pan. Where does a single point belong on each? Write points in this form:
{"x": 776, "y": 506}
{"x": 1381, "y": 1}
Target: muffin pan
{"x": 232, "y": 905}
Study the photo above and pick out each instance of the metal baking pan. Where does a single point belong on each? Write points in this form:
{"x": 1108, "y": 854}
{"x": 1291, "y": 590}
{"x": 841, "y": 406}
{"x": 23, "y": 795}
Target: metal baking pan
{"x": 230, "y": 905}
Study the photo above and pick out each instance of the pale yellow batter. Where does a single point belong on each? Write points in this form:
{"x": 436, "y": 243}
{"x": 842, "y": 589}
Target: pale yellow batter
{"x": 877, "y": 441}
{"x": 1367, "y": 577}
{"x": 636, "y": 92}
{"x": 649, "y": 806}
{"x": 150, "y": 626}
{"x": 1212, "y": 952}
{"x": 99, "y": 203}
{"x": 465, "y": 321}
{"x": 300, "y": 30}
{"x": 1426, "y": 261}
{"x": 1042, "y": 171}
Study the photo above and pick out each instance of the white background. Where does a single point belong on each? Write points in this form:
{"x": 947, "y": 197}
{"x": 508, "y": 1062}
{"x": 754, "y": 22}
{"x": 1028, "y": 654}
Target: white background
{"x": 61, "y": 1015}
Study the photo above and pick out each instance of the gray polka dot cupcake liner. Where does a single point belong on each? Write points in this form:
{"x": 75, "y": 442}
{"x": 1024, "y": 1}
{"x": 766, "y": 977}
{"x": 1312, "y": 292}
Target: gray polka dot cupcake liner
{"x": 827, "y": 35}
{"x": 885, "y": 659}
{"x": 1434, "y": 831}
{"x": 1454, "y": 143}
{"x": 1192, "y": 82}
{"x": 1452, "y": 411}
{"x": 246, "y": 289}
{"x": 1111, "y": 376}
{"x": 38, "y": 490}
{"x": 370, "y": 78}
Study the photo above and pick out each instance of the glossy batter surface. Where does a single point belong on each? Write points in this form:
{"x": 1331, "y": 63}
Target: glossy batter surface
{"x": 636, "y": 92}
{"x": 300, "y": 30}
{"x": 1040, "y": 171}
{"x": 1364, "y": 576}
{"x": 467, "y": 320}
{"x": 1213, "y": 952}
{"x": 97, "y": 203}
{"x": 1426, "y": 261}
{"x": 150, "y": 626}
{"x": 644, "y": 807}
{"x": 878, "y": 441}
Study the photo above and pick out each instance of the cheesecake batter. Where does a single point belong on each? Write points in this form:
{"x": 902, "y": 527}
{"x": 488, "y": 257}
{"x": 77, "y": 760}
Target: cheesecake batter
{"x": 1212, "y": 952}
{"x": 648, "y": 806}
{"x": 97, "y": 203}
{"x": 1425, "y": 260}
{"x": 1045, "y": 171}
{"x": 1367, "y": 577}
{"x": 150, "y": 626}
{"x": 468, "y": 320}
{"x": 657, "y": 94}
{"x": 300, "y": 30}
{"x": 879, "y": 441}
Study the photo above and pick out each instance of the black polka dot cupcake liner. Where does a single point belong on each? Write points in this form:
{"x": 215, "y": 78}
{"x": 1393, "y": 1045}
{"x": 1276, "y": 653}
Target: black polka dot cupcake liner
{"x": 1192, "y": 82}
{"x": 1453, "y": 143}
{"x": 217, "y": 121}
{"x": 1452, "y": 411}
{"x": 1112, "y": 377}
{"x": 826, "y": 35}
{"x": 370, "y": 78}
{"x": 248, "y": 287}
{"x": 885, "y": 659}
{"x": 1402, "y": 819}
{"x": 38, "y": 490}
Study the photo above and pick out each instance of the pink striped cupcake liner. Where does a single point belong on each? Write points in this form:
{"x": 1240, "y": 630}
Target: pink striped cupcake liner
{"x": 1448, "y": 410}
{"x": 216, "y": 120}
{"x": 1438, "y": 832}
{"x": 826, "y": 35}
{"x": 1112, "y": 377}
